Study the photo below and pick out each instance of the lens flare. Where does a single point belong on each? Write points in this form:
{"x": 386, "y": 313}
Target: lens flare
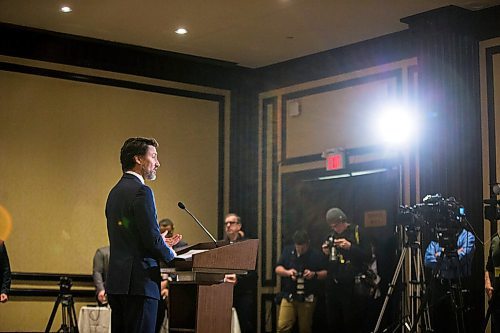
{"x": 5, "y": 223}
{"x": 397, "y": 124}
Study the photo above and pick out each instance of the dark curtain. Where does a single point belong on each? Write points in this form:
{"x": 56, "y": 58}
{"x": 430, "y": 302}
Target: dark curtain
{"x": 449, "y": 95}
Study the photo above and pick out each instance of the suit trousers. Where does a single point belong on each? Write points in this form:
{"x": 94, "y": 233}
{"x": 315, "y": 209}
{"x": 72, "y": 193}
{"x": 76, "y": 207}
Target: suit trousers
{"x": 133, "y": 313}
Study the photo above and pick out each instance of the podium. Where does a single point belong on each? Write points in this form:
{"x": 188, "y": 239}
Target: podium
{"x": 200, "y": 301}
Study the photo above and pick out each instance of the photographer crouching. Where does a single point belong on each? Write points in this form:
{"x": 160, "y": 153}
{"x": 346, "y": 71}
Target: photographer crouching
{"x": 300, "y": 268}
{"x": 349, "y": 253}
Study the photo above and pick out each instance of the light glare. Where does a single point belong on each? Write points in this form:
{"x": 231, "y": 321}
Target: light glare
{"x": 396, "y": 125}
{"x": 181, "y": 31}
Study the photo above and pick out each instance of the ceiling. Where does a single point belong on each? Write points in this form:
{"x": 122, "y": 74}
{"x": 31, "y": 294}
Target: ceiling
{"x": 251, "y": 33}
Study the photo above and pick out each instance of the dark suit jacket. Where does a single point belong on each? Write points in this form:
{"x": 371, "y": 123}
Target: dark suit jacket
{"x": 136, "y": 245}
{"x": 5, "y": 275}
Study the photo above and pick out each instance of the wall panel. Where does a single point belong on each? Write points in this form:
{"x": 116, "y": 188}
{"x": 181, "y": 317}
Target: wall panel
{"x": 62, "y": 133}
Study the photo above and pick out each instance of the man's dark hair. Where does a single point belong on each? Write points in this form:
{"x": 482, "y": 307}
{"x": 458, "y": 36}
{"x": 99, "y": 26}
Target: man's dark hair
{"x": 166, "y": 222}
{"x": 238, "y": 218}
{"x": 134, "y": 147}
{"x": 300, "y": 237}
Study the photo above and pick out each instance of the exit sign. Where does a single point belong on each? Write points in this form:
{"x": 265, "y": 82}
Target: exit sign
{"x": 335, "y": 161}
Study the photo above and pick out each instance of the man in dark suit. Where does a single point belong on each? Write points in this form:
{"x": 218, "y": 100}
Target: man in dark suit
{"x": 136, "y": 246}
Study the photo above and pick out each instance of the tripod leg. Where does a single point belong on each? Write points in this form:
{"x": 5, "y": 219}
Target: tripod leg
{"x": 64, "y": 324}
{"x": 53, "y": 314}
{"x": 73, "y": 316}
{"x": 458, "y": 307}
{"x": 391, "y": 288}
{"x": 426, "y": 313}
{"x": 425, "y": 299}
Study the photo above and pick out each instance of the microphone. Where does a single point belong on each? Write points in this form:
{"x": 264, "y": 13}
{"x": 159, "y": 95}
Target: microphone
{"x": 183, "y": 207}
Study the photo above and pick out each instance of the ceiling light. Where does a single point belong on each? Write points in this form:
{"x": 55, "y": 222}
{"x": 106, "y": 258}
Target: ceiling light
{"x": 66, "y": 9}
{"x": 181, "y": 31}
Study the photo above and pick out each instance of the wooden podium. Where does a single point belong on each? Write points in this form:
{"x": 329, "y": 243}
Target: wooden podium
{"x": 200, "y": 301}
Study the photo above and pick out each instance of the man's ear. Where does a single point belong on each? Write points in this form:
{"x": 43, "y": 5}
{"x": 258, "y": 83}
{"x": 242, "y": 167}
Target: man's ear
{"x": 137, "y": 159}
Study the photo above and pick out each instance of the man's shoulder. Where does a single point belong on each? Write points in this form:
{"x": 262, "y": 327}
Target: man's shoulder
{"x": 128, "y": 182}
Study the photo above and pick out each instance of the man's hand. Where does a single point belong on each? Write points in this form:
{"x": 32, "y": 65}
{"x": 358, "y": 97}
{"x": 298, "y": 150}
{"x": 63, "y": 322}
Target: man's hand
{"x": 164, "y": 289}
{"x": 292, "y": 273}
{"x": 489, "y": 291}
{"x": 342, "y": 243}
{"x": 4, "y": 298}
{"x": 231, "y": 278}
{"x": 174, "y": 240}
{"x": 308, "y": 275}
{"x": 325, "y": 248}
{"x": 101, "y": 297}
{"x": 487, "y": 285}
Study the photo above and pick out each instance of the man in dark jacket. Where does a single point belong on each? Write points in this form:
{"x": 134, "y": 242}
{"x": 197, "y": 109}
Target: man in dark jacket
{"x": 244, "y": 294}
{"x": 300, "y": 268}
{"x": 349, "y": 252}
{"x": 136, "y": 246}
{"x": 4, "y": 273}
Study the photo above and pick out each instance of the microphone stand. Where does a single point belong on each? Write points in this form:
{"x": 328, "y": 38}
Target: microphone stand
{"x": 181, "y": 206}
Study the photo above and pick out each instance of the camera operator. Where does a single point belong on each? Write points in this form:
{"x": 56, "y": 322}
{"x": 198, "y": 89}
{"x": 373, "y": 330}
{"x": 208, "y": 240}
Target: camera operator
{"x": 300, "y": 268}
{"x": 349, "y": 253}
{"x": 450, "y": 257}
{"x": 492, "y": 282}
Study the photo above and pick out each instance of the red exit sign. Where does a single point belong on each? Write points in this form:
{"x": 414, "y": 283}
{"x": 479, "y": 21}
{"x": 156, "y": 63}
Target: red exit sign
{"x": 335, "y": 162}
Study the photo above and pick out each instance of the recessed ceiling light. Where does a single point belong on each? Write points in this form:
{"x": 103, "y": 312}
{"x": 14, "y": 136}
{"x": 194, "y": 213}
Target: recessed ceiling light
{"x": 181, "y": 31}
{"x": 66, "y": 9}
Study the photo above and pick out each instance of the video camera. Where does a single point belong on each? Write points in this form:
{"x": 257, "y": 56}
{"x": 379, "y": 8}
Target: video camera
{"x": 65, "y": 284}
{"x": 444, "y": 216}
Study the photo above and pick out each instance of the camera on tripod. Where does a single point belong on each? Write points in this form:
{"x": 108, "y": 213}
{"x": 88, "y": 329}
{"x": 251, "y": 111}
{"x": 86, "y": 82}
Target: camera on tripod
{"x": 444, "y": 216}
{"x": 65, "y": 299}
{"x": 65, "y": 284}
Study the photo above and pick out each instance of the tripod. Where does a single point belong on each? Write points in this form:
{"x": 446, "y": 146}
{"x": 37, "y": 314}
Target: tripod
{"x": 411, "y": 251}
{"x": 453, "y": 291}
{"x": 69, "y": 323}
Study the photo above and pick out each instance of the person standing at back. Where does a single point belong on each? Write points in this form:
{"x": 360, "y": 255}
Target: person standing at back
{"x": 244, "y": 294}
{"x": 349, "y": 253}
{"x": 300, "y": 268}
{"x": 136, "y": 245}
{"x": 100, "y": 266}
{"x": 167, "y": 231}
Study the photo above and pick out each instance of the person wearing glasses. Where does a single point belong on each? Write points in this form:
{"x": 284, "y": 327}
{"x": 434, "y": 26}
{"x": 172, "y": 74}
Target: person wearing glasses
{"x": 244, "y": 294}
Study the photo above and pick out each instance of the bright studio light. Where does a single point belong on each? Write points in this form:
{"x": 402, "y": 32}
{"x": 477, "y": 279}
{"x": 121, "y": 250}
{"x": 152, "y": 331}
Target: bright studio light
{"x": 396, "y": 124}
